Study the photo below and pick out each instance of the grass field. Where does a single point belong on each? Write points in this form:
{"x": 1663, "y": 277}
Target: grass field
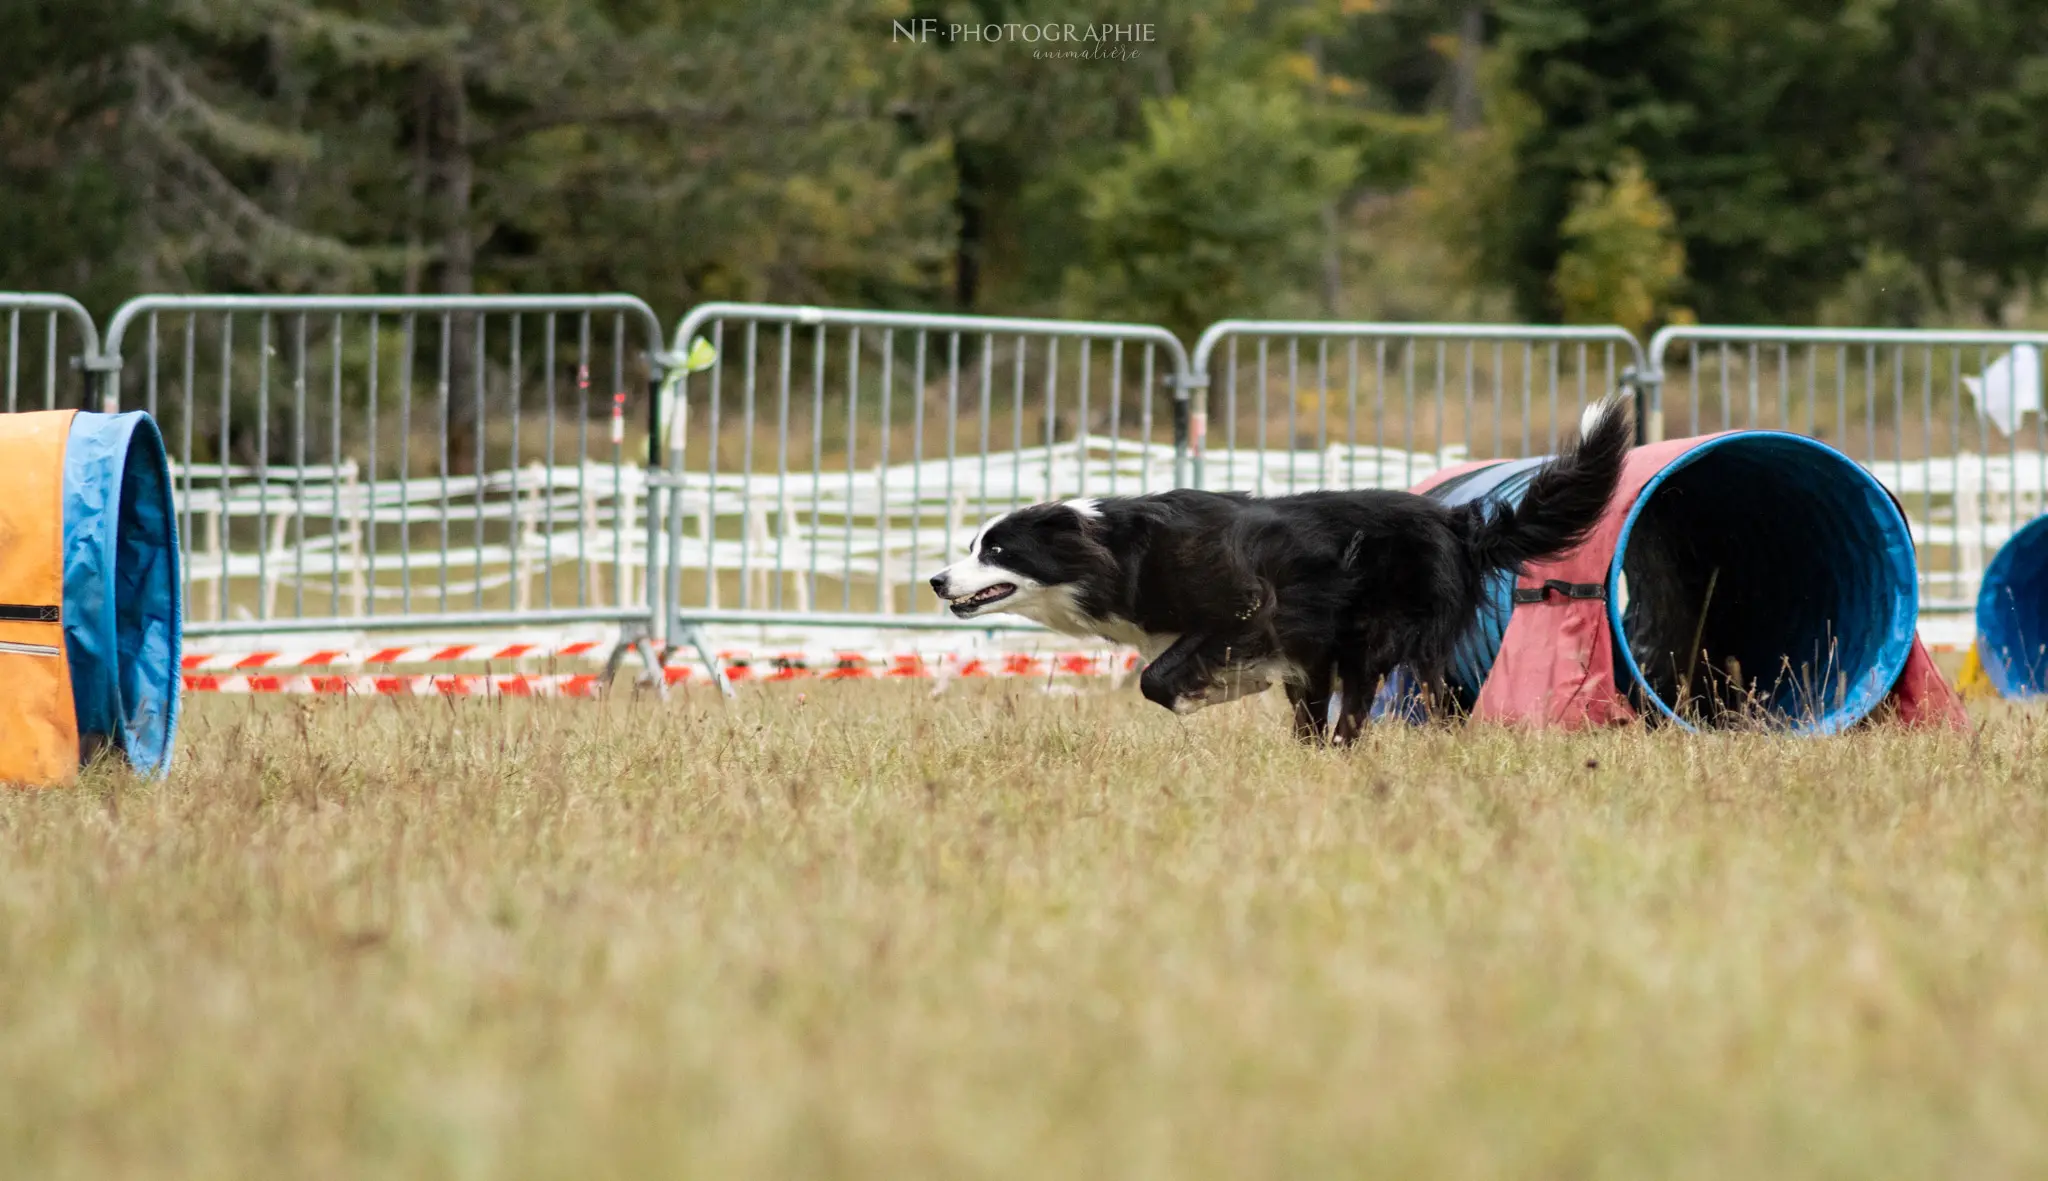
{"x": 857, "y": 932}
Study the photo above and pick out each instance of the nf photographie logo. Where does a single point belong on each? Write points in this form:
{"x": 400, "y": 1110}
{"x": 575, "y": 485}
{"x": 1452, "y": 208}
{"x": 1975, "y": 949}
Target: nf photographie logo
{"x": 1046, "y": 39}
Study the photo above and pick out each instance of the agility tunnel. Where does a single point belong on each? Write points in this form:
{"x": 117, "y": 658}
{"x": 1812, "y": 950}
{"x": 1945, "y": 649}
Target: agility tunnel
{"x": 89, "y": 611}
{"x": 2012, "y": 615}
{"x": 1752, "y": 578}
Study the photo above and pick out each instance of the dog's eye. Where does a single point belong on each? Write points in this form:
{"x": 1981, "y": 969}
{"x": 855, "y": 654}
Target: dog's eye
{"x": 993, "y": 550}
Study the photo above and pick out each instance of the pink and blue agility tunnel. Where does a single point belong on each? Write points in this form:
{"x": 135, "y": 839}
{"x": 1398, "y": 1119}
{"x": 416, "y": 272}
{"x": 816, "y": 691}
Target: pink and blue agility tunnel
{"x": 1781, "y": 566}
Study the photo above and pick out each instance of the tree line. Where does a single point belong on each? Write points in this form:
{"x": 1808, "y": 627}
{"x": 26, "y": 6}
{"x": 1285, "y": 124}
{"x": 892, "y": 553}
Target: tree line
{"x": 1630, "y": 161}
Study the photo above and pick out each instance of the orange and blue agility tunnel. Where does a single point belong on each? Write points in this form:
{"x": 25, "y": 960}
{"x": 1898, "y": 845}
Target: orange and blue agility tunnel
{"x": 89, "y": 611}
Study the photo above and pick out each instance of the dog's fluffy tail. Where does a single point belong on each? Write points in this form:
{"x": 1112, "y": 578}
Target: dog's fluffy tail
{"x": 1564, "y": 500}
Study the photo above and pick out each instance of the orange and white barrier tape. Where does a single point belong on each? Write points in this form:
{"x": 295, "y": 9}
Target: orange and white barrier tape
{"x": 237, "y": 676}
{"x": 332, "y": 658}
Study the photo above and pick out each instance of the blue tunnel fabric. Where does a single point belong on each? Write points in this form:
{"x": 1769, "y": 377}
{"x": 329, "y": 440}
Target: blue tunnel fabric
{"x": 1475, "y": 650}
{"x": 1810, "y": 559}
{"x": 122, "y": 617}
{"x": 1815, "y": 588}
{"x": 2012, "y": 614}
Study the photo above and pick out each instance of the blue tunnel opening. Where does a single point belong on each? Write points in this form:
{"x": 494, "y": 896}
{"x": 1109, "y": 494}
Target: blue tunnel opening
{"x": 2012, "y": 614}
{"x": 122, "y": 617}
{"x": 1791, "y": 565}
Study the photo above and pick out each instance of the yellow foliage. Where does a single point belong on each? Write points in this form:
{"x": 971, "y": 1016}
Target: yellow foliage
{"x": 1622, "y": 259}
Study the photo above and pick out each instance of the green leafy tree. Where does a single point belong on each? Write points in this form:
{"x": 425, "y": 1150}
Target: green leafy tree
{"x": 1216, "y": 209}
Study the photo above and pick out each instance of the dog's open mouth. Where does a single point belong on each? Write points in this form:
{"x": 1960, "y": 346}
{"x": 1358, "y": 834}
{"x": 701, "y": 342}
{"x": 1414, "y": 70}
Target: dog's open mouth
{"x": 969, "y": 604}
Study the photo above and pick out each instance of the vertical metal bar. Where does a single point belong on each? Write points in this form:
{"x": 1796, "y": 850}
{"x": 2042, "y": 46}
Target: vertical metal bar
{"x": 1550, "y": 354}
{"x": 1955, "y": 471}
{"x": 1230, "y": 408}
{"x": 852, "y": 432}
{"x": 782, "y": 513}
{"x": 1842, "y": 395}
{"x": 1017, "y": 425}
{"x": 952, "y": 431}
{"x": 226, "y": 452}
{"x": 1293, "y": 400}
{"x": 299, "y": 466}
{"x": 1979, "y": 526}
{"x": 714, "y": 436}
{"x": 747, "y": 508}
{"x": 1052, "y": 365}
{"x": 885, "y": 592}
{"x": 263, "y": 468}
{"x": 480, "y": 425}
{"x": 445, "y": 395}
{"x": 1145, "y": 407}
{"x": 1898, "y": 408}
{"x": 1259, "y": 481}
{"x": 1812, "y": 389}
{"x": 1784, "y": 387}
{"x": 988, "y": 377}
{"x": 1081, "y": 424}
{"x": 817, "y": 452}
{"x": 13, "y": 358}
{"x": 334, "y": 476}
{"x": 1724, "y": 385}
{"x": 1927, "y": 440}
{"x": 1754, "y": 373}
{"x": 1443, "y": 363}
{"x": 1323, "y": 411}
{"x": 1116, "y": 419}
{"x": 1870, "y": 401}
{"x": 1351, "y": 400}
{"x": 1528, "y": 392}
{"x": 1379, "y": 411}
{"x": 1465, "y": 431}
{"x": 405, "y": 383}
{"x": 619, "y": 521}
{"x": 369, "y": 488}
{"x": 149, "y": 396}
{"x": 583, "y": 452}
{"x": 1500, "y": 409}
{"x": 515, "y": 538}
{"x": 1559, "y": 427}
{"x": 1408, "y": 405}
{"x": 189, "y": 407}
{"x": 550, "y": 331}
{"x": 916, "y": 468}
{"x": 50, "y": 361}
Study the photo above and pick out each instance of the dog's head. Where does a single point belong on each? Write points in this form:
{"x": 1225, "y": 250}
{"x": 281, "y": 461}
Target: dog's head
{"x": 1031, "y": 562}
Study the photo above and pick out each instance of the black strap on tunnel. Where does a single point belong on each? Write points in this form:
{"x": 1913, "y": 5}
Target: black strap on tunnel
{"x": 1570, "y": 590}
{"x": 29, "y": 613}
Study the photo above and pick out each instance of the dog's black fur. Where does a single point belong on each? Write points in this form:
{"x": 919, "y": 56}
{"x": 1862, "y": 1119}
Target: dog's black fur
{"x": 1330, "y": 591}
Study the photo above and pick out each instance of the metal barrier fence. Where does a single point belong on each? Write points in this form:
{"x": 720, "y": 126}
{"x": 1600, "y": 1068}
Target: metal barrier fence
{"x": 823, "y": 461}
{"x": 1938, "y": 416}
{"x": 356, "y": 463}
{"x": 59, "y": 331}
{"x": 348, "y": 463}
{"x": 1282, "y": 406}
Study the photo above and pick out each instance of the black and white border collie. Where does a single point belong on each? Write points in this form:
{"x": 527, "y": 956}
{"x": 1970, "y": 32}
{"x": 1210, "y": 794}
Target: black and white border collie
{"x": 1325, "y": 593}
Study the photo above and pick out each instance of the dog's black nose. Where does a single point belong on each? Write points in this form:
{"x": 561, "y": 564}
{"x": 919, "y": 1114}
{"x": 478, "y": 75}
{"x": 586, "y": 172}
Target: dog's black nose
{"x": 939, "y": 585}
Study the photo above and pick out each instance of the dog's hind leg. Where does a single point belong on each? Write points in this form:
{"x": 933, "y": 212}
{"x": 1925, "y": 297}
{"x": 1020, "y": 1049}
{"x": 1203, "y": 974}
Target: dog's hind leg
{"x": 1311, "y": 702}
{"x": 1359, "y": 678}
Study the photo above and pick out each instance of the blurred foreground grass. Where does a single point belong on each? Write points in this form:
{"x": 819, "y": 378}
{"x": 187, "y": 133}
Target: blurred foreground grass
{"x": 865, "y": 933}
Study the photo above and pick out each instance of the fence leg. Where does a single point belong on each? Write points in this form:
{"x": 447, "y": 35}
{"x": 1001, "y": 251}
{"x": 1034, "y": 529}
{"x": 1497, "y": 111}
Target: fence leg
{"x": 695, "y": 635}
{"x": 640, "y": 643}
